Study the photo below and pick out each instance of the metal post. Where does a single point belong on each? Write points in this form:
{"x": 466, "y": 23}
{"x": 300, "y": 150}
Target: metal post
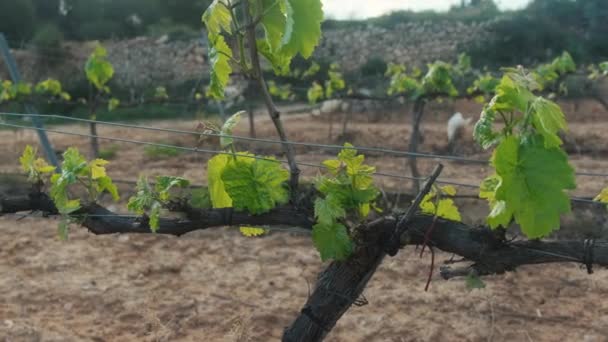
{"x": 16, "y": 76}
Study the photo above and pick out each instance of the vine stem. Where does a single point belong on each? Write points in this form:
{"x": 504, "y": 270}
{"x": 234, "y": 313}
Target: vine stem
{"x": 274, "y": 113}
{"x": 401, "y": 227}
{"x": 419, "y": 105}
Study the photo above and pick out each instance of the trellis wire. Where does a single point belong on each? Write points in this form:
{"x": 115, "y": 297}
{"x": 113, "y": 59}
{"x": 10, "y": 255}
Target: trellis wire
{"x": 271, "y": 141}
{"x": 216, "y": 152}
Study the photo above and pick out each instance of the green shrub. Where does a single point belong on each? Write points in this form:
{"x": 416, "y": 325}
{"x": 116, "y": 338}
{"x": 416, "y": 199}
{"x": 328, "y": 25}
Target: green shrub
{"x": 374, "y": 66}
{"x": 47, "y": 40}
{"x": 109, "y": 152}
{"x": 161, "y": 152}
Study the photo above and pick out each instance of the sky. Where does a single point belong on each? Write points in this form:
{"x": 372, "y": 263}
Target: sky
{"x": 351, "y": 9}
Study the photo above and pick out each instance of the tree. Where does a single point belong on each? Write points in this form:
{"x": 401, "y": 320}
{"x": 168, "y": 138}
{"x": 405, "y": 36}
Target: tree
{"x": 17, "y": 19}
{"x": 184, "y": 12}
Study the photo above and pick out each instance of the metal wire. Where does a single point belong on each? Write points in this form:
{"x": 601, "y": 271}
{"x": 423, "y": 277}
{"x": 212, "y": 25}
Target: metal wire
{"x": 192, "y": 149}
{"x": 270, "y": 141}
{"x": 215, "y": 152}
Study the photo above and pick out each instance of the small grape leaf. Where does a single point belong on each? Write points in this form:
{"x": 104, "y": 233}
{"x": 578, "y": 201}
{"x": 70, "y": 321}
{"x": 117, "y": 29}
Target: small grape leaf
{"x": 228, "y": 127}
{"x": 34, "y": 167}
{"x": 483, "y": 132}
{"x": 536, "y": 199}
{"x": 255, "y": 186}
{"x": 328, "y": 210}
{"x": 105, "y": 184}
{"x": 219, "y": 59}
{"x": 603, "y": 196}
{"x": 548, "y": 119}
{"x": 68, "y": 207}
{"x": 143, "y": 199}
{"x": 332, "y": 241}
{"x": 445, "y": 207}
{"x": 315, "y": 93}
{"x": 252, "y": 231}
{"x": 217, "y": 17}
{"x": 273, "y": 20}
{"x": 113, "y": 104}
{"x": 98, "y": 70}
{"x": 511, "y": 96}
{"x": 164, "y": 184}
{"x": 97, "y": 168}
{"x": 280, "y": 62}
{"x": 302, "y": 27}
{"x": 217, "y": 192}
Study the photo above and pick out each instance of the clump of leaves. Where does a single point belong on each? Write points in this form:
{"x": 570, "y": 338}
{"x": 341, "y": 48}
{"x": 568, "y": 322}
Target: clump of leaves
{"x": 485, "y": 85}
{"x": 150, "y": 200}
{"x": 243, "y": 181}
{"x": 532, "y": 170}
{"x": 289, "y": 27}
{"x": 349, "y": 186}
{"x": 33, "y": 166}
{"x": 246, "y": 183}
{"x": 98, "y": 69}
{"x": 438, "y": 203}
{"x": 282, "y": 92}
{"x": 53, "y": 88}
{"x": 438, "y": 81}
{"x": 77, "y": 171}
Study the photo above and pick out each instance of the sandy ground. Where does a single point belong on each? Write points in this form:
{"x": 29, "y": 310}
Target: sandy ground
{"x": 219, "y": 286}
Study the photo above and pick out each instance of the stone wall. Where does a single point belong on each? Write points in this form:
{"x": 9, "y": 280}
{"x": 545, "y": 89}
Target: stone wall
{"x": 407, "y": 43}
{"x": 148, "y": 62}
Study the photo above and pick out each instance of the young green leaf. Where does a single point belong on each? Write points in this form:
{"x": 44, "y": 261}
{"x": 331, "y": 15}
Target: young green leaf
{"x": 98, "y": 69}
{"x": 228, "y": 127}
{"x": 511, "y": 96}
{"x": 535, "y": 199}
{"x": 113, "y": 104}
{"x": 548, "y": 119}
{"x": 315, "y": 93}
{"x": 484, "y": 132}
{"x": 217, "y": 192}
{"x": 97, "y": 168}
{"x": 34, "y": 167}
{"x": 279, "y": 61}
{"x": 332, "y": 241}
{"x": 217, "y": 17}
{"x": 164, "y": 184}
{"x": 442, "y": 207}
{"x": 603, "y": 196}
{"x": 219, "y": 58}
{"x": 255, "y": 186}
{"x": 252, "y": 231}
{"x": 302, "y": 27}
{"x": 105, "y": 184}
{"x": 144, "y": 197}
{"x": 328, "y": 210}
{"x": 273, "y": 20}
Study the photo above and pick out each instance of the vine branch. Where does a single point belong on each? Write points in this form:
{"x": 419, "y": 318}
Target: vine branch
{"x": 274, "y": 113}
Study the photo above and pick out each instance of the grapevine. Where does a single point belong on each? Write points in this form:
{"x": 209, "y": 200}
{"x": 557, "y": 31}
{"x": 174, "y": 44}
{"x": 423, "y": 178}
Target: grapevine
{"x": 341, "y": 212}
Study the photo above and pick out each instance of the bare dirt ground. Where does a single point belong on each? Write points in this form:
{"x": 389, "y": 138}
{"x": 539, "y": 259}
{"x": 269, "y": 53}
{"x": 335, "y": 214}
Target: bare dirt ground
{"x": 219, "y": 286}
